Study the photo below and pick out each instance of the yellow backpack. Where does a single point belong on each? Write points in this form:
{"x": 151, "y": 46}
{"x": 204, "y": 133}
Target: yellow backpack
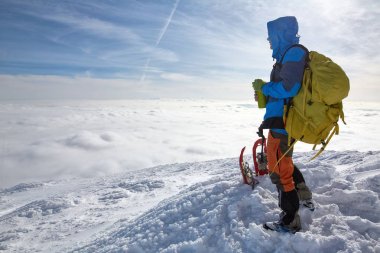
{"x": 312, "y": 115}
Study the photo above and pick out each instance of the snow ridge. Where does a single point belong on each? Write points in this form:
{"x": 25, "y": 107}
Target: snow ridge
{"x": 196, "y": 207}
{"x": 222, "y": 215}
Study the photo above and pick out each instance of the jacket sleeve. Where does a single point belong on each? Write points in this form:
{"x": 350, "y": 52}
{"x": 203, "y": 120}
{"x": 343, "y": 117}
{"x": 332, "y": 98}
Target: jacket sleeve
{"x": 291, "y": 74}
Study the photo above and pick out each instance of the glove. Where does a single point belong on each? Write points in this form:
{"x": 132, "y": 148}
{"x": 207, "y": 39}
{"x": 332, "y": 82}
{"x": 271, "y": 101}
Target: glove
{"x": 259, "y": 96}
{"x": 258, "y": 84}
{"x": 260, "y": 132}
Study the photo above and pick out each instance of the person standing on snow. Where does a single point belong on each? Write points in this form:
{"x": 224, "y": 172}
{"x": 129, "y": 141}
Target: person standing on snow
{"x": 285, "y": 82}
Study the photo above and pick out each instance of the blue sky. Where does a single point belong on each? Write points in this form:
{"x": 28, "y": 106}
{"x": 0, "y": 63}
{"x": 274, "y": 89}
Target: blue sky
{"x": 174, "y": 48}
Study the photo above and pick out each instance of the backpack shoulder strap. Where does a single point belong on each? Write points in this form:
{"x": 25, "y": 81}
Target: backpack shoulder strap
{"x": 307, "y": 60}
{"x": 296, "y": 45}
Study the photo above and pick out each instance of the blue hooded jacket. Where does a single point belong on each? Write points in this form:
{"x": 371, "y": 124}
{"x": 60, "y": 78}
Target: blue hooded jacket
{"x": 286, "y": 76}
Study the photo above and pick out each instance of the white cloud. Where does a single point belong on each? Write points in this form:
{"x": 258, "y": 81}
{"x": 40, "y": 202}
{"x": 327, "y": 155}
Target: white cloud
{"x": 176, "y": 77}
{"x": 96, "y": 26}
{"x": 60, "y": 87}
{"x": 48, "y": 139}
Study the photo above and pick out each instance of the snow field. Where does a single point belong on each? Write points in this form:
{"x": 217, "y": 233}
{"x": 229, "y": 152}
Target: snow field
{"x": 222, "y": 215}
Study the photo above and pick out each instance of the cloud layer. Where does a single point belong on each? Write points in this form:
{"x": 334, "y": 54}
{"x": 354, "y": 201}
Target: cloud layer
{"x": 46, "y": 140}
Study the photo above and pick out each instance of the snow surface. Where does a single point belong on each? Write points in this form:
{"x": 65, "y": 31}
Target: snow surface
{"x": 76, "y": 178}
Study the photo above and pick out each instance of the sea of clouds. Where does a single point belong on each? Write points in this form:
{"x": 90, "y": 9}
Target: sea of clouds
{"x": 45, "y": 139}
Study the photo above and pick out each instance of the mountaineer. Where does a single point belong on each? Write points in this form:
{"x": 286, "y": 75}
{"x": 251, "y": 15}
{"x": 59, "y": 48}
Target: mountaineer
{"x": 285, "y": 82}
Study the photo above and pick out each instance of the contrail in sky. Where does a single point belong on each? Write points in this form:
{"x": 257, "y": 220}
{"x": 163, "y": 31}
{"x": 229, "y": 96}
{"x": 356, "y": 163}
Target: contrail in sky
{"x": 162, "y": 33}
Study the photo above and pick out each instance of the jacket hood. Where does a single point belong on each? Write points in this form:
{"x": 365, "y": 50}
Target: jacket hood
{"x": 282, "y": 33}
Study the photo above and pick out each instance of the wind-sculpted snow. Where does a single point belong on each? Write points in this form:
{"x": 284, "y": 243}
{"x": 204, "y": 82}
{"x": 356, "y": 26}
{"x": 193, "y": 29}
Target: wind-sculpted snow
{"x": 42, "y": 207}
{"x": 196, "y": 207}
{"x": 222, "y": 215}
{"x": 20, "y": 188}
{"x": 142, "y": 186}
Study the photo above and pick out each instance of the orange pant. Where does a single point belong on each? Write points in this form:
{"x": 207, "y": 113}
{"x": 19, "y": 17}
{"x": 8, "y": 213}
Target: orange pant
{"x": 282, "y": 173}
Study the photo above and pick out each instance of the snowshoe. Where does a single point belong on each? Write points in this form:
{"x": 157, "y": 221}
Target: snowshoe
{"x": 278, "y": 227}
{"x": 246, "y": 172}
{"x": 260, "y": 158}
